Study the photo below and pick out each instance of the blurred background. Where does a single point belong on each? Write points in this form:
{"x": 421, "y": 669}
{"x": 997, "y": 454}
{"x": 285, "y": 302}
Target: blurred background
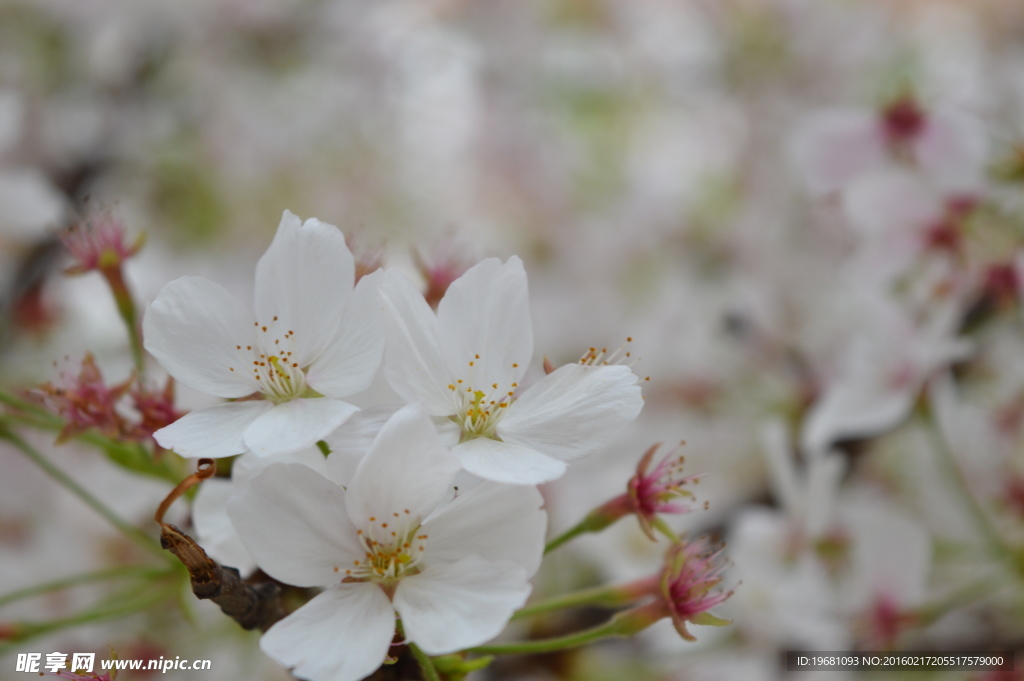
{"x": 807, "y": 214}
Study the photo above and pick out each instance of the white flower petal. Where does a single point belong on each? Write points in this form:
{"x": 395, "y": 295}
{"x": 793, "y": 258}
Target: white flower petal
{"x": 855, "y": 408}
{"x": 451, "y": 606}
{"x": 449, "y": 431}
{"x": 891, "y": 554}
{"x": 494, "y": 521}
{"x": 193, "y": 329}
{"x": 407, "y": 468}
{"x": 831, "y": 148}
{"x": 304, "y": 279}
{"x": 212, "y": 432}
{"x": 484, "y": 317}
{"x": 508, "y": 462}
{"x": 350, "y": 362}
{"x": 350, "y": 443}
{"x": 572, "y": 411}
{"x": 890, "y": 203}
{"x": 342, "y": 634}
{"x": 953, "y": 149}
{"x": 249, "y": 465}
{"x": 296, "y": 424}
{"x": 415, "y": 366}
{"x": 217, "y": 534}
{"x": 214, "y": 530}
{"x": 293, "y": 522}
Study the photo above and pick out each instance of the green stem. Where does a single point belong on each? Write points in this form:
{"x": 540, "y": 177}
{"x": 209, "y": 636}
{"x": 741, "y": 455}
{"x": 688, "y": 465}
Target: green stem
{"x": 139, "y": 572}
{"x": 114, "y": 276}
{"x": 956, "y": 477}
{"x": 623, "y": 624}
{"x": 135, "y": 534}
{"x": 426, "y": 664}
{"x": 600, "y": 596}
{"x": 24, "y": 405}
{"x": 595, "y": 521}
{"x": 125, "y": 603}
{"x": 609, "y": 629}
{"x": 565, "y": 537}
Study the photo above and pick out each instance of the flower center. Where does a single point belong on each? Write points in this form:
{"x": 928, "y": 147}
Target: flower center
{"x": 393, "y": 549}
{"x": 278, "y": 376}
{"x": 479, "y": 408}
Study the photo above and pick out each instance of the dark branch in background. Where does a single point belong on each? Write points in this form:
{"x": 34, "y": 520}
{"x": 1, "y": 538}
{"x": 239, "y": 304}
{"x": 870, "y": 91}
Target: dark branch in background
{"x": 253, "y": 606}
{"x": 21, "y": 293}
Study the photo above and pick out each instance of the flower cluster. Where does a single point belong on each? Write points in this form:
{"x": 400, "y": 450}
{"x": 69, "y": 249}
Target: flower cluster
{"x": 128, "y": 410}
{"x": 382, "y": 528}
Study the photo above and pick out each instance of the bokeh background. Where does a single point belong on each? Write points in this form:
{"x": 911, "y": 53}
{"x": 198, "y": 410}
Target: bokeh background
{"x": 838, "y": 341}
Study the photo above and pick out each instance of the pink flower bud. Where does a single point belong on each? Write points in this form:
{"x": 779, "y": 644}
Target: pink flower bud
{"x": 156, "y": 409}
{"x": 659, "y": 489}
{"x": 692, "y": 571}
{"x": 85, "y": 401}
{"x": 685, "y": 591}
{"x": 99, "y": 243}
{"x": 446, "y": 263}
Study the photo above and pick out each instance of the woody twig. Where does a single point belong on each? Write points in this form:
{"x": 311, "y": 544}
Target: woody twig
{"x": 253, "y": 606}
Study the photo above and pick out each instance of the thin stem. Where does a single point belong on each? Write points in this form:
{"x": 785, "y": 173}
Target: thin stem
{"x": 40, "y": 418}
{"x": 125, "y": 603}
{"x": 956, "y": 477}
{"x": 426, "y": 664}
{"x": 597, "y": 520}
{"x": 567, "y": 536}
{"x": 24, "y": 405}
{"x": 547, "y": 645}
{"x": 135, "y": 534}
{"x": 601, "y": 596}
{"x": 114, "y": 276}
{"x": 83, "y": 578}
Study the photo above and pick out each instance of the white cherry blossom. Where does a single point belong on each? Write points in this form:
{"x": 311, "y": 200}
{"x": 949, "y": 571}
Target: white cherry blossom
{"x": 464, "y": 365}
{"x": 312, "y": 339}
{"x": 454, "y": 569}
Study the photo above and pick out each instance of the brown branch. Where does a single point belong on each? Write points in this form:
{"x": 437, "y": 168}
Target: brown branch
{"x": 251, "y": 605}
